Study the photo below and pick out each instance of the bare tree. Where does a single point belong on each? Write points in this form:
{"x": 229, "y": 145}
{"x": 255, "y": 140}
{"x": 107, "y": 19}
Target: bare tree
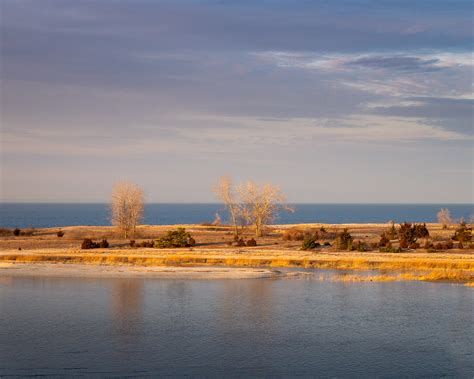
{"x": 444, "y": 217}
{"x": 260, "y": 204}
{"x": 224, "y": 190}
{"x": 127, "y": 207}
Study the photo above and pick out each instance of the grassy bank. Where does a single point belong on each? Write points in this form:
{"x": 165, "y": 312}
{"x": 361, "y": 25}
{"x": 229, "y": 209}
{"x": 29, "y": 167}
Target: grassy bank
{"x": 410, "y": 266}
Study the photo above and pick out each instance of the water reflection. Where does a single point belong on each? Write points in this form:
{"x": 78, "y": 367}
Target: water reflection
{"x": 127, "y": 307}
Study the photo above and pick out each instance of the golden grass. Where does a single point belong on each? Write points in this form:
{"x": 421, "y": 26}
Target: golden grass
{"x": 453, "y": 276}
{"x": 385, "y": 262}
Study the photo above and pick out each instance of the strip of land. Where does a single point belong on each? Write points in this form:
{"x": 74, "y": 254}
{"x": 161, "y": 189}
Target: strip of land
{"x": 214, "y": 249}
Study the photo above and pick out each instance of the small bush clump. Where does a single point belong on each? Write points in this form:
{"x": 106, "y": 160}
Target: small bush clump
{"x": 16, "y": 232}
{"x": 251, "y": 242}
{"x": 132, "y": 243}
{"x": 174, "y": 238}
{"x": 104, "y": 244}
{"x": 360, "y": 246}
{"x": 384, "y": 240}
{"x": 344, "y": 240}
{"x": 421, "y": 231}
{"x": 414, "y": 246}
{"x": 463, "y": 233}
{"x": 390, "y": 249}
{"x": 87, "y": 243}
{"x": 240, "y": 242}
{"x": 310, "y": 241}
{"x": 60, "y": 233}
{"x": 148, "y": 244}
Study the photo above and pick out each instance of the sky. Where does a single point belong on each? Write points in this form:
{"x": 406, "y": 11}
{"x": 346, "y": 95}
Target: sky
{"x": 334, "y": 101}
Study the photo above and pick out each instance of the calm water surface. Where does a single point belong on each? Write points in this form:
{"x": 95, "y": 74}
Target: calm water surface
{"x": 38, "y": 215}
{"x": 259, "y": 327}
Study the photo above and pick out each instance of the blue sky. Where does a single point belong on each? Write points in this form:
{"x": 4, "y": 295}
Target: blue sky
{"x": 335, "y": 101}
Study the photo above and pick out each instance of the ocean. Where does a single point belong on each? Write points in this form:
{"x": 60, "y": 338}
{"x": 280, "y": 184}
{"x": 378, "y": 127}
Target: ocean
{"x": 37, "y": 215}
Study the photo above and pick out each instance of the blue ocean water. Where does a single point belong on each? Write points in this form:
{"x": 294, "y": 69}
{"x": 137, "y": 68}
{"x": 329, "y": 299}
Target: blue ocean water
{"x": 24, "y": 215}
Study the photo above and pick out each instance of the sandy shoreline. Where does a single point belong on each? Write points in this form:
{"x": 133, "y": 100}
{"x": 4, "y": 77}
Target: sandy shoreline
{"x": 157, "y": 272}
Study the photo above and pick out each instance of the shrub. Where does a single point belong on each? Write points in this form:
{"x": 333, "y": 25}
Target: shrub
{"x": 438, "y": 246}
{"x": 460, "y": 245}
{"x": 240, "y": 242}
{"x": 148, "y": 244}
{"x": 251, "y": 242}
{"x": 310, "y": 241}
{"x": 384, "y": 240}
{"x": 16, "y": 232}
{"x": 132, "y": 243}
{"x": 344, "y": 240}
{"x": 104, "y": 244}
{"x": 327, "y": 243}
{"x": 174, "y": 238}
{"x": 448, "y": 245}
{"x": 191, "y": 241}
{"x": 406, "y": 234}
{"x": 60, "y": 233}
{"x": 428, "y": 245}
{"x": 421, "y": 231}
{"x": 360, "y": 246}
{"x": 87, "y": 243}
{"x": 414, "y": 245}
{"x": 463, "y": 233}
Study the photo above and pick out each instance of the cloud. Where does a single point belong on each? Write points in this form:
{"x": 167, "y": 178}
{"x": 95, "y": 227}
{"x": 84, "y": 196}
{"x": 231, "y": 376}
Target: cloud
{"x": 402, "y": 63}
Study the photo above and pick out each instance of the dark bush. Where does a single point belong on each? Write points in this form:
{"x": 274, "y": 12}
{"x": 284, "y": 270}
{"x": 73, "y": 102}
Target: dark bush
{"x": 104, "y": 244}
{"x": 384, "y": 240}
{"x": 327, "y": 243}
{"x": 438, "y": 246}
{"x": 310, "y": 241}
{"x": 60, "y": 233}
{"x": 406, "y": 234}
{"x": 132, "y": 243}
{"x": 448, "y": 245}
{"x": 414, "y": 245}
{"x": 463, "y": 233}
{"x": 240, "y": 242}
{"x": 16, "y": 232}
{"x": 251, "y": 242}
{"x": 421, "y": 231}
{"x": 191, "y": 241}
{"x": 148, "y": 244}
{"x": 89, "y": 244}
{"x": 174, "y": 238}
{"x": 460, "y": 245}
{"x": 428, "y": 245}
{"x": 344, "y": 240}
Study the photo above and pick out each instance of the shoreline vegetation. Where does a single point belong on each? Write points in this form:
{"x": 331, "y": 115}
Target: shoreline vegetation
{"x": 215, "y": 251}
